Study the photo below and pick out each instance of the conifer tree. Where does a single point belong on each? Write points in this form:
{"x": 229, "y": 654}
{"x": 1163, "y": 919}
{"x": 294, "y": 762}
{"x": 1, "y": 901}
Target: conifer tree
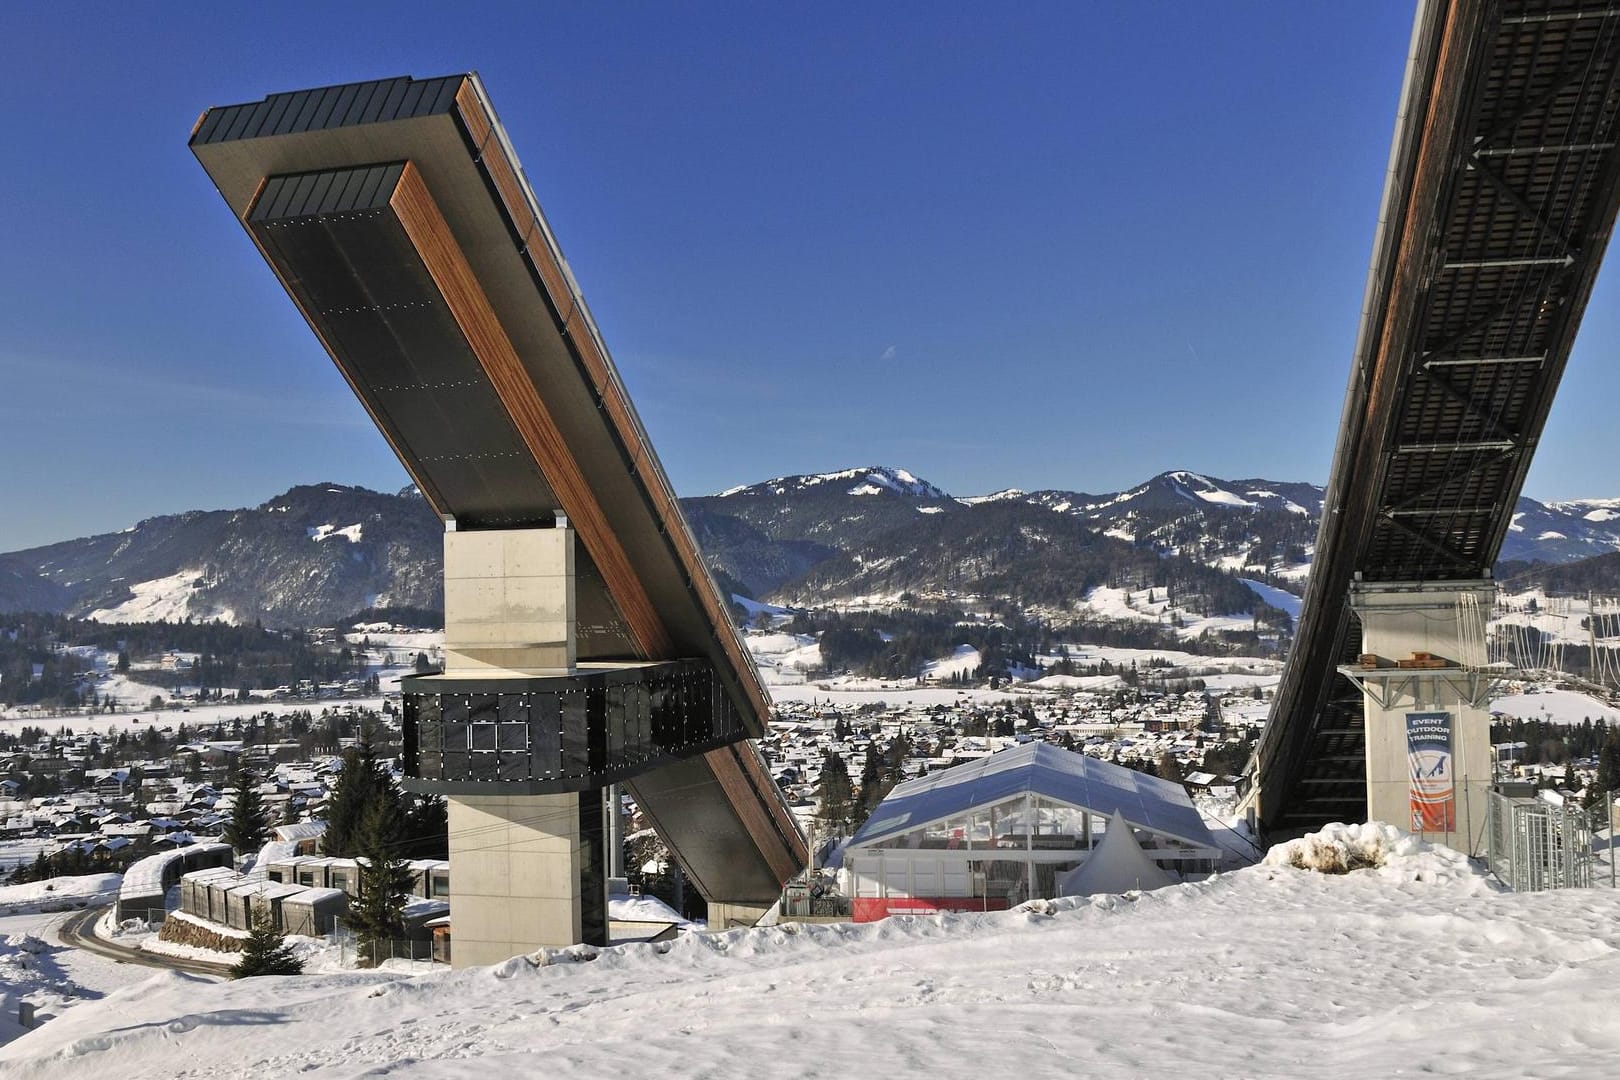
{"x": 249, "y": 826}
{"x": 837, "y": 793}
{"x": 1169, "y": 768}
{"x": 265, "y": 952}
{"x": 427, "y": 828}
{"x": 873, "y": 785}
{"x": 1608, "y": 770}
{"x": 378, "y": 914}
{"x": 361, "y": 785}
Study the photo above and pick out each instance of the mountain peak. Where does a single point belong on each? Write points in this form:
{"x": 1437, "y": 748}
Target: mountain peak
{"x": 1004, "y": 495}
{"x": 870, "y": 480}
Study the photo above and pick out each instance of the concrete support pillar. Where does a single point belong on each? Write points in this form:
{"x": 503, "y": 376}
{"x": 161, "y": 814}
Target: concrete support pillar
{"x": 526, "y": 871}
{"x": 1428, "y": 747}
{"x": 525, "y": 874}
{"x": 509, "y": 602}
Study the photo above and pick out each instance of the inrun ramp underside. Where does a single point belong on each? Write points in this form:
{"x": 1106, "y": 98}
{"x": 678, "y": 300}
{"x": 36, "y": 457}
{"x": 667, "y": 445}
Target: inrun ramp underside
{"x": 397, "y": 217}
{"x": 1503, "y": 184}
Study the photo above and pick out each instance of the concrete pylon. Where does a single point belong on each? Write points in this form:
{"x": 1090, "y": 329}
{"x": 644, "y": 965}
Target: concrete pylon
{"x": 1425, "y": 683}
{"x": 526, "y": 870}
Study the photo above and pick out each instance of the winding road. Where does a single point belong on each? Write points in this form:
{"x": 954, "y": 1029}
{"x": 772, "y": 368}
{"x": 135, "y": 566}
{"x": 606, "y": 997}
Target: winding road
{"x": 79, "y": 931}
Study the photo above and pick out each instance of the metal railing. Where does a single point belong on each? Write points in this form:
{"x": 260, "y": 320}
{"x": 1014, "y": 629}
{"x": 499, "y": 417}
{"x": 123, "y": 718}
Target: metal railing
{"x": 355, "y": 951}
{"x": 1534, "y": 844}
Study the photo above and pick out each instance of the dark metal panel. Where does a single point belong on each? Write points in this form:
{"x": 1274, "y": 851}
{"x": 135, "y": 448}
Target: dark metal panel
{"x": 326, "y": 102}
{"x": 309, "y": 102}
{"x": 302, "y": 195}
{"x": 413, "y": 96}
{"x": 446, "y": 96}
{"x": 357, "y": 106}
{"x": 320, "y": 193}
{"x": 396, "y": 94}
{"x": 273, "y": 115}
{"x": 379, "y": 99}
{"x": 562, "y": 733}
{"x": 210, "y": 121}
{"x": 346, "y": 195}
{"x": 255, "y": 118}
{"x": 239, "y": 119}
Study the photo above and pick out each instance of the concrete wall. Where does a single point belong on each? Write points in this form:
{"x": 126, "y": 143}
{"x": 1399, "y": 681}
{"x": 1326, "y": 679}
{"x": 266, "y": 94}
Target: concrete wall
{"x": 509, "y": 601}
{"x": 1397, "y": 621}
{"x": 518, "y": 862}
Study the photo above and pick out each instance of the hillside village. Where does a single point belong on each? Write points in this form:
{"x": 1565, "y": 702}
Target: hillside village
{"x": 123, "y": 743}
{"x": 87, "y": 792}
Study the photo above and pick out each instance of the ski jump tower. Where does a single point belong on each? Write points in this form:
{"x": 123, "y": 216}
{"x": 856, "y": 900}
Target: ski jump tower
{"x": 585, "y": 642}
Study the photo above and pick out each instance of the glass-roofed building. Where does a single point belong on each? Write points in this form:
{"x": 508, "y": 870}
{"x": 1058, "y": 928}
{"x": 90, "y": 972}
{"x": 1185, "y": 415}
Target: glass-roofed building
{"x": 1007, "y": 828}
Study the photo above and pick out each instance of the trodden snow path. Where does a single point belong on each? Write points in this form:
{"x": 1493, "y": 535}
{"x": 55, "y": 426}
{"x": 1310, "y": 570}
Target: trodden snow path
{"x": 1421, "y": 966}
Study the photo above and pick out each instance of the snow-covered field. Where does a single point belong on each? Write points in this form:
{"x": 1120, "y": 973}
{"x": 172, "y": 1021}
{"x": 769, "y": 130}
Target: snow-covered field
{"x": 1555, "y": 707}
{"x": 1419, "y": 967}
{"x": 35, "y": 966}
{"x": 1281, "y": 599}
{"x": 1152, "y": 605}
{"x": 58, "y": 894}
{"x": 194, "y": 716}
{"x": 785, "y": 661}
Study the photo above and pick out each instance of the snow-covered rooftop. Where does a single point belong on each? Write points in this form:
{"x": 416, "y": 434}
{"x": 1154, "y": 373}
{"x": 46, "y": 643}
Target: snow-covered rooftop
{"x": 1040, "y": 769}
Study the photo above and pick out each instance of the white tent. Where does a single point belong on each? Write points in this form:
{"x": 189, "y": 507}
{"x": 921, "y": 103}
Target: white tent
{"x": 1117, "y": 865}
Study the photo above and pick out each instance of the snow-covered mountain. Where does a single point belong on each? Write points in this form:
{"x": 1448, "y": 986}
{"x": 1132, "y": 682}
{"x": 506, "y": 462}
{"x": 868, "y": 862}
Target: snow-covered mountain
{"x": 1559, "y": 532}
{"x": 321, "y": 552}
{"x": 307, "y": 557}
{"x": 1262, "y": 528}
{"x": 875, "y": 480}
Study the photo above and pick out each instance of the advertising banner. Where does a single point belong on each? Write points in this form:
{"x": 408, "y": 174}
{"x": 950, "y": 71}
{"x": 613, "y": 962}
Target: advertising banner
{"x": 1428, "y": 755}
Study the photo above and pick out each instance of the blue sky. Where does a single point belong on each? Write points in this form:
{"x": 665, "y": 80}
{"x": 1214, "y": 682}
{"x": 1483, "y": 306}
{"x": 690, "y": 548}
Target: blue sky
{"x": 1037, "y": 245}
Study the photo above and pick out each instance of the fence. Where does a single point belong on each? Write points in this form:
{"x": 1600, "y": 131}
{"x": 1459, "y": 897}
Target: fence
{"x": 802, "y": 905}
{"x": 1533, "y": 844}
{"x": 356, "y": 952}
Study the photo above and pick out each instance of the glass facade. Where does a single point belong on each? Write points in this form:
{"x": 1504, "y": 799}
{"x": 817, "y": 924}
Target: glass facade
{"x": 561, "y": 733}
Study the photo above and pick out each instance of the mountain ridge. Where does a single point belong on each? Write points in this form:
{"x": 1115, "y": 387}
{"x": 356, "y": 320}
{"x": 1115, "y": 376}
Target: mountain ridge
{"x": 319, "y": 552}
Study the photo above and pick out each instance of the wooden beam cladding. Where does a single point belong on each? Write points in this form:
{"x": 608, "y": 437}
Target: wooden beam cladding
{"x": 430, "y": 234}
{"x": 541, "y": 252}
{"x": 743, "y": 777}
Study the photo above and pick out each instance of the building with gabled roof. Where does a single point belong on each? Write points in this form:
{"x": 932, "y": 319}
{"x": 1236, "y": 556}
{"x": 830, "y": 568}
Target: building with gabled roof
{"x": 987, "y": 835}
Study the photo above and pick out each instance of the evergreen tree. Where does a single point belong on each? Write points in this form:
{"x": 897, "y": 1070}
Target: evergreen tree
{"x": 249, "y": 826}
{"x": 1169, "y": 768}
{"x": 265, "y": 952}
{"x": 427, "y": 828}
{"x": 836, "y": 792}
{"x": 1608, "y": 770}
{"x": 872, "y": 786}
{"x": 378, "y": 914}
{"x": 361, "y": 785}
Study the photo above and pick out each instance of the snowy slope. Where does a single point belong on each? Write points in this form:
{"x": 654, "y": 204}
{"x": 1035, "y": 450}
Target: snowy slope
{"x": 168, "y": 599}
{"x": 1419, "y": 967}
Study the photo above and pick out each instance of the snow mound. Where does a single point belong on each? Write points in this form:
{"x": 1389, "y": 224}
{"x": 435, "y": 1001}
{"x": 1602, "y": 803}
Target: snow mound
{"x": 1342, "y": 849}
{"x": 58, "y": 893}
{"x": 25, "y": 943}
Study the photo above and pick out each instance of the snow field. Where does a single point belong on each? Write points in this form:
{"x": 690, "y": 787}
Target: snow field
{"x": 1267, "y": 972}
